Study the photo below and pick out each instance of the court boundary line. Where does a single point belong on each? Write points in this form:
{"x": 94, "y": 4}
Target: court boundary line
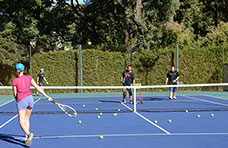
{"x": 215, "y": 97}
{"x": 203, "y": 100}
{"x": 6, "y": 102}
{"x": 159, "y": 127}
{"x": 125, "y": 135}
{"x": 5, "y": 123}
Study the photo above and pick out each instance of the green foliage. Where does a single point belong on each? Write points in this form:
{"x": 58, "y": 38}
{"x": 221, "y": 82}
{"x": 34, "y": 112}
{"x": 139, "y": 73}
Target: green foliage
{"x": 10, "y": 51}
{"x": 217, "y": 36}
{"x": 62, "y": 67}
{"x": 103, "y": 68}
{"x": 174, "y": 33}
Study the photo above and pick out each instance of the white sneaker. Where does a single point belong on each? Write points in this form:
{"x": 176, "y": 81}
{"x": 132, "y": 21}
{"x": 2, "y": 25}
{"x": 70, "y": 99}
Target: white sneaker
{"x": 174, "y": 97}
{"x": 170, "y": 98}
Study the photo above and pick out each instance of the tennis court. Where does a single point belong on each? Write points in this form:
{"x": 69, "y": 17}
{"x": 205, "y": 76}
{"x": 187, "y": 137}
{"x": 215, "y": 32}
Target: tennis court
{"x": 195, "y": 119}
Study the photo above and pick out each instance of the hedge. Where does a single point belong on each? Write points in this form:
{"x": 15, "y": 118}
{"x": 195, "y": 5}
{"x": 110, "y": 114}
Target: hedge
{"x": 104, "y": 68}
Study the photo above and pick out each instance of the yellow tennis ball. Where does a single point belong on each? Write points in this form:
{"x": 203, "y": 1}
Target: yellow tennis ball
{"x": 198, "y": 116}
{"x": 101, "y": 137}
{"x": 115, "y": 114}
{"x": 79, "y": 121}
{"x": 119, "y": 110}
{"x": 98, "y": 117}
{"x": 156, "y": 121}
{"x": 170, "y": 121}
{"x": 75, "y": 113}
{"x": 83, "y": 105}
{"x": 186, "y": 111}
{"x": 89, "y": 43}
{"x": 212, "y": 115}
{"x": 101, "y": 114}
{"x": 96, "y": 108}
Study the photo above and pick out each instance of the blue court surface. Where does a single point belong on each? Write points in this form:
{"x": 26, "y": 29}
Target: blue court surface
{"x": 177, "y": 123}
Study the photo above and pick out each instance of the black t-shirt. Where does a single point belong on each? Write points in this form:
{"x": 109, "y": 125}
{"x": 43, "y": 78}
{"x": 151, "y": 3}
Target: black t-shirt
{"x": 41, "y": 77}
{"x": 128, "y": 78}
{"x": 172, "y": 76}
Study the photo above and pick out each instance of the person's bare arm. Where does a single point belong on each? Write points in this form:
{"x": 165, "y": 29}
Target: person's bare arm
{"x": 45, "y": 80}
{"x": 15, "y": 92}
{"x": 121, "y": 79}
{"x": 134, "y": 82}
{"x": 166, "y": 82}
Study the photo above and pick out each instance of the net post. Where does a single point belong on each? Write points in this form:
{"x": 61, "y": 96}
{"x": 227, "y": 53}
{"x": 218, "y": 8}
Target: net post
{"x": 129, "y": 54}
{"x": 80, "y": 66}
{"x": 176, "y": 56}
{"x": 223, "y": 62}
{"x": 30, "y": 58}
{"x": 134, "y": 98}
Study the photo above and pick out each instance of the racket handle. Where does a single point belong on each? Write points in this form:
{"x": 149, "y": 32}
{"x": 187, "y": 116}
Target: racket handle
{"x": 54, "y": 102}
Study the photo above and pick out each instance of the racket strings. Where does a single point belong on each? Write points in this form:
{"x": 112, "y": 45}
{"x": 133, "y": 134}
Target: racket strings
{"x": 69, "y": 110}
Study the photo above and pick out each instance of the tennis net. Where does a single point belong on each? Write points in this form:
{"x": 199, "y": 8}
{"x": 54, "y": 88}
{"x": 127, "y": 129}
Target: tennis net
{"x": 108, "y": 99}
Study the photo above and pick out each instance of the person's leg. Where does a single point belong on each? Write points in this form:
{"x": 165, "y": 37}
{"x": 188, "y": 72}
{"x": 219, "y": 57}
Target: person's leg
{"x": 27, "y": 118}
{"x": 170, "y": 93}
{"x": 174, "y": 93}
{"x": 130, "y": 95}
{"x": 22, "y": 121}
{"x": 41, "y": 85}
{"x": 124, "y": 95}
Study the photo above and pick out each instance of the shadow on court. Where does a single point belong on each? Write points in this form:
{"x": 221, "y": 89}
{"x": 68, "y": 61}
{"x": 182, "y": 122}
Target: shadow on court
{"x": 10, "y": 138}
{"x": 155, "y": 99}
{"x": 105, "y": 101}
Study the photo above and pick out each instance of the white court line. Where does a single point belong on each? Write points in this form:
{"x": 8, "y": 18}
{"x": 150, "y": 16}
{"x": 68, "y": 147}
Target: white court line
{"x": 147, "y": 120}
{"x": 128, "y": 135}
{"x": 207, "y": 101}
{"x": 6, "y": 103}
{"x": 79, "y": 103}
{"x": 8, "y": 121}
{"x": 14, "y": 117}
{"x": 215, "y": 97}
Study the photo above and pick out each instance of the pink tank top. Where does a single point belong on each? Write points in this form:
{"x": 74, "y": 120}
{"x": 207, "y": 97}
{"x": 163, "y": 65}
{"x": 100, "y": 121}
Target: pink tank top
{"x": 23, "y": 86}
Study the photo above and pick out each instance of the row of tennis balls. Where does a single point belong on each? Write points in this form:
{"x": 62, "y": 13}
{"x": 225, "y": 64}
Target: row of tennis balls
{"x": 115, "y": 114}
{"x": 198, "y": 116}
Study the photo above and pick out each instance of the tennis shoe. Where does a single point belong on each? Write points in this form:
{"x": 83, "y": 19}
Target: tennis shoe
{"x": 29, "y": 140}
{"x": 174, "y": 98}
{"x": 25, "y": 139}
{"x": 131, "y": 102}
{"x": 123, "y": 101}
{"x": 170, "y": 98}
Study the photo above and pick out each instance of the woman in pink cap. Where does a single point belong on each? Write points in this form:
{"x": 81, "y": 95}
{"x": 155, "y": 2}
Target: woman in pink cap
{"x": 21, "y": 91}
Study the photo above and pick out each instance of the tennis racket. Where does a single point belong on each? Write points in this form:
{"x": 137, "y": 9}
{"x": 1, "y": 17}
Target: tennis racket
{"x": 66, "y": 109}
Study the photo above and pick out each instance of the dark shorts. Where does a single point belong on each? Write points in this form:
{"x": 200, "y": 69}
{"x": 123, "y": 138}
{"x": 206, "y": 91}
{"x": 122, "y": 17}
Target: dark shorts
{"x": 41, "y": 84}
{"x": 25, "y": 103}
{"x": 128, "y": 89}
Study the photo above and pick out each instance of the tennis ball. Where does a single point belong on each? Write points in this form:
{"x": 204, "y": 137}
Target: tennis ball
{"x": 212, "y": 115}
{"x": 101, "y": 137}
{"x": 98, "y": 117}
{"x": 83, "y": 105}
{"x": 96, "y": 108}
{"x": 89, "y": 43}
{"x": 186, "y": 111}
{"x": 75, "y": 113}
{"x": 170, "y": 121}
{"x": 115, "y": 114}
{"x": 101, "y": 114}
{"x": 198, "y": 116}
{"x": 156, "y": 121}
{"x": 79, "y": 121}
{"x": 119, "y": 110}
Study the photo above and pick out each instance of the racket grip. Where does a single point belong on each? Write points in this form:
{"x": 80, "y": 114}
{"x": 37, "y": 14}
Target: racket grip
{"x": 54, "y": 102}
